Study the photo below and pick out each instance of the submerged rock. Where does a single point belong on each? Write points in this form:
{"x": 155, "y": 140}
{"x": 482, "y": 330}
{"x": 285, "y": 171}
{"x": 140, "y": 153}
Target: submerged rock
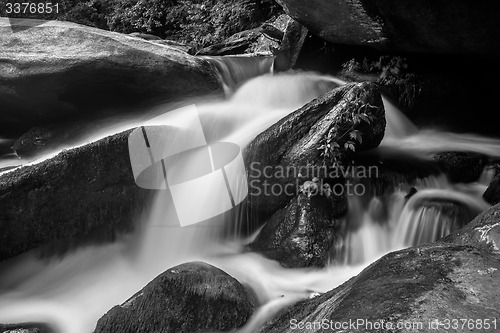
{"x": 290, "y": 150}
{"x": 429, "y": 26}
{"x": 461, "y": 167}
{"x": 192, "y": 297}
{"x": 55, "y": 71}
{"x": 303, "y": 233}
{"x": 83, "y": 192}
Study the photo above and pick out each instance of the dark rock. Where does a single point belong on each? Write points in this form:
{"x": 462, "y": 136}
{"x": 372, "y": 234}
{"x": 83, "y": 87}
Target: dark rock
{"x": 192, "y": 297}
{"x": 290, "y": 149}
{"x": 460, "y": 27}
{"x": 492, "y": 193}
{"x": 26, "y": 328}
{"x": 461, "y": 167}
{"x": 415, "y": 285}
{"x": 272, "y": 32}
{"x": 59, "y": 70}
{"x": 483, "y": 232}
{"x": 411, "y": 193}
{"x": 84, "y": 192}
{"x": 303, "y": 233}
{"x": 289, "y": 50}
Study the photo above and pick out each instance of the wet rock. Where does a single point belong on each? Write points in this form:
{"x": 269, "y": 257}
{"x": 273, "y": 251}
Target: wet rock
{"x": 492, "y": 193}
{"x": 272, "y": 32}
{"x": 483, "y": 232}
{"x": 86, "y": 192}
{"x": 290, "y": 149}
{"x": 415, "y": 285}
{"x": 271, "y": 35}
{"x": 464, "y": 27}
{"x": 192, "y": 297}
{"x": 58, "y": 71}
{"x": 290, "y": 47}
{"x": 303, "y": 233}
{"x": 461, "y": 167}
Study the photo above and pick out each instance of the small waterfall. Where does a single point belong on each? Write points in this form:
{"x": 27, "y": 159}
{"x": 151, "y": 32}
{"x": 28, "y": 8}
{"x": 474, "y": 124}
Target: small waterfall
{"x": 398, "y": 125}
{"x": 234, "y": 70}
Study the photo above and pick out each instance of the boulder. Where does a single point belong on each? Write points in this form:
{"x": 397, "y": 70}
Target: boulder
{"x": 492, "y": 193}
{"x": 192, "y": 297}
{"x": 457, "y": 277}
{"x": 429, "y": 26}
{"x": 461, "y": 167}
{"x": 291, "y": 150}
{"x": 57, "y": 71}
{"x": 303, "y": 233}
{"x": 85, "y": 192}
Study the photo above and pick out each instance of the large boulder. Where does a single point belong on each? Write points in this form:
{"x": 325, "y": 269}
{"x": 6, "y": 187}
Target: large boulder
{"x": 291, "y": 150}
{"x": 54, "y": 71}
{"x": 416, "y": 287}
{"x": 434, "y": 26}
{"x": 85, "y": 192}
{"x": 303, "y": 233}
{"x": 192, "y": 297}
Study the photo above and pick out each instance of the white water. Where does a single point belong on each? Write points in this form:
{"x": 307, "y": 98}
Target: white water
{"x": 72, "y": 293}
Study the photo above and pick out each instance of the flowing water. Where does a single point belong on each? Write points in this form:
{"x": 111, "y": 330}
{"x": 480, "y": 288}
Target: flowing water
{"x": 73, "y": 292}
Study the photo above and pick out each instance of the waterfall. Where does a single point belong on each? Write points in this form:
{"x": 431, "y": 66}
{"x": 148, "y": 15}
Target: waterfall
{"x": 73, "y": 292}
{"x": 234, "y": 70}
